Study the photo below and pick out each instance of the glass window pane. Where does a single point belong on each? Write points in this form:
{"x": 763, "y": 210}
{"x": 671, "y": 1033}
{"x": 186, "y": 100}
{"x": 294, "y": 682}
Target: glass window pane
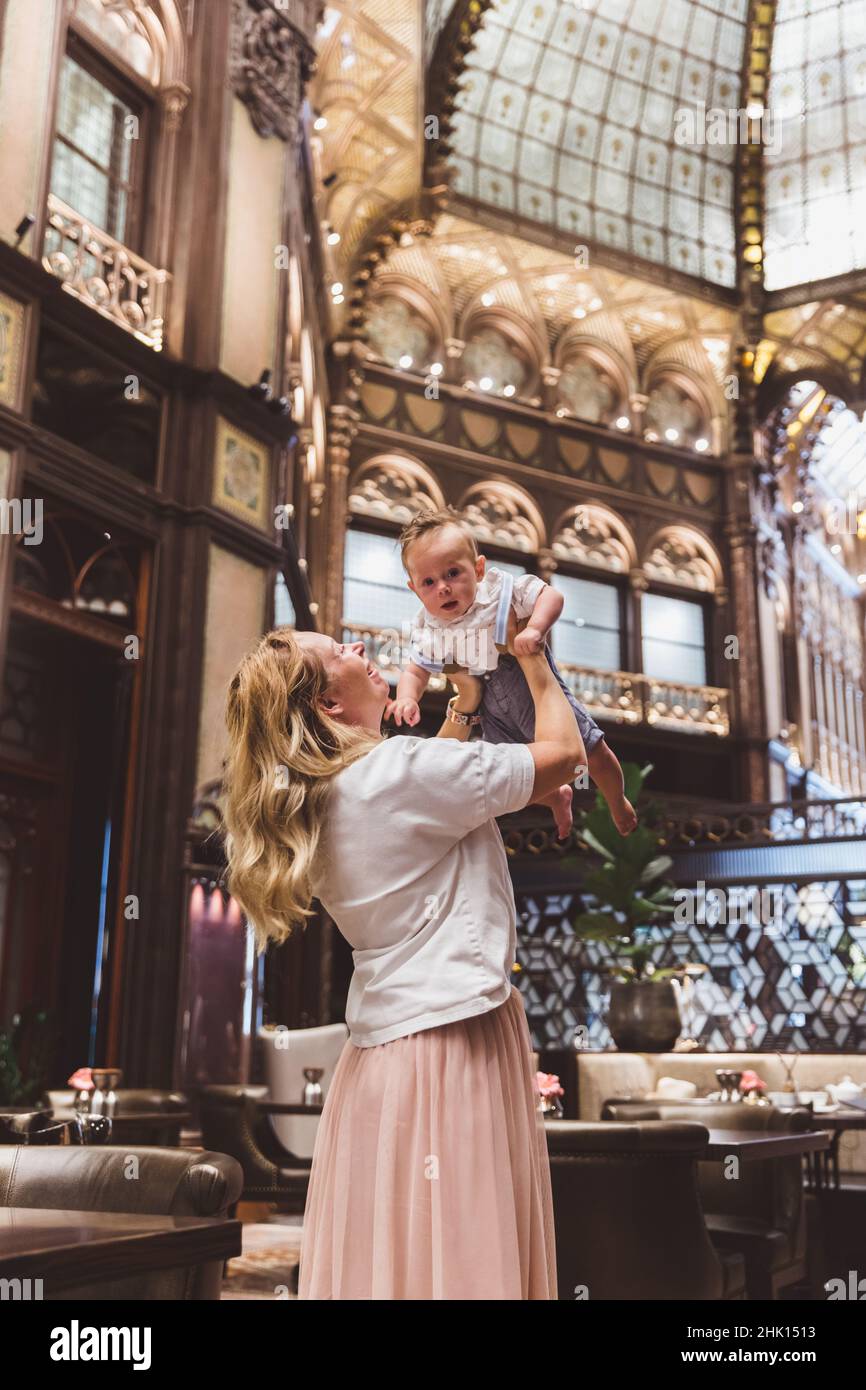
{"x": 92, "y": 154}
{"x": 673, "y": 639}
{"x": 588, "y": 632}
{"x": 284, "y": 609}
{"x": 375, "y": 592}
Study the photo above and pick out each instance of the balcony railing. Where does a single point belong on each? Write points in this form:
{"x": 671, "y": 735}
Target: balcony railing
{"x": 619, "y": 696}
{"x": 629, "y": 698}
{"x": 106, "y": 275}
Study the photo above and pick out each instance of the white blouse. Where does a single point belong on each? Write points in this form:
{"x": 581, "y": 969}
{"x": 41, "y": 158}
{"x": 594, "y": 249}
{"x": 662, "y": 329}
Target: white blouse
{"x": 413, "y": 871}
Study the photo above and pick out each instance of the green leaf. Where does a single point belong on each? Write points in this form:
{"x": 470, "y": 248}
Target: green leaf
{"x": 648, "y": 908}
{"x": 656, "y": 867}
{"x": 590, "y": 840}
{"x": 600, "y": 926}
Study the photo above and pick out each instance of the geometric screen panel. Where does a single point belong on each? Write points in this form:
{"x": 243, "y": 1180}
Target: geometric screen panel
{"x": 797, "y": 984}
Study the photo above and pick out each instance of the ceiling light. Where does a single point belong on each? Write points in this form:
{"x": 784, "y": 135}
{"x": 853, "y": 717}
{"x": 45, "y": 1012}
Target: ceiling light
{"x": 595, "y": 303}
{"x": 435, "y": 368}
{"x": 797, "y": 507}
{"x": 320, "y": 123}
{"x": 701, "y": 445}
{"x": 672, "y": 435}
{"x": 835, "y": 549}
{"x": 486, "y": 383}
{"x": 406, "y": 361}
{"x": 337, "y": 287}
{"x": 509, "y": 390}
{"x": 623, "y": 423}
{"x": 333, "y": 238}
{"x": 487, "y": 300}
{"x": 562, "y": 412}
{"x": 580, "y": 312}
{"x": 861, "y": 579}
{"x": 755, "y": 110}
{"x": 338, "y": 299}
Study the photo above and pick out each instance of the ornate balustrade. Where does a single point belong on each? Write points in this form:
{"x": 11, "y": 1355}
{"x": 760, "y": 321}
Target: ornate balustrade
{"x": 629, "y": 698}
{"x": 620, "y": 696}
{"x": 106, "y": 275}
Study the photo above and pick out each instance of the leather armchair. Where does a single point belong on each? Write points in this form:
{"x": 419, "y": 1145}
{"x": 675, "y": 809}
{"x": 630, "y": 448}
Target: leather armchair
{"x": 171, "y": 1182}
{"x": 629, "y": 1223}
{"x": 765, "y": 1213}
{"x": 235, "y": 1120}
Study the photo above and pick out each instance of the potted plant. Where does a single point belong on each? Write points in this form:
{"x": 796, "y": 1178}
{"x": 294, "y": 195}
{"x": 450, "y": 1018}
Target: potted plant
{"x": 26, "y": 1045}
{"x": 631, "y": 897}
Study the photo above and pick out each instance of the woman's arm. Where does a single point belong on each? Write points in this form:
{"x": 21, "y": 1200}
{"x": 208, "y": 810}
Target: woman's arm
{"x": 557, "y": 749}
{"x": 468, "y": 701}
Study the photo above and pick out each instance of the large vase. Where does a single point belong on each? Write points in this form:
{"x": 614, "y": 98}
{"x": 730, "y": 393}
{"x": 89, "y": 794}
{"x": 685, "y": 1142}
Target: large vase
{"x": 644, "y": 1017}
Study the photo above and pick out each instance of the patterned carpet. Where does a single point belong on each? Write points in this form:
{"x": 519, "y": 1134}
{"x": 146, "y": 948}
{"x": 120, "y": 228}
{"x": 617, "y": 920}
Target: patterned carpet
{"x": 268, "y": 1266}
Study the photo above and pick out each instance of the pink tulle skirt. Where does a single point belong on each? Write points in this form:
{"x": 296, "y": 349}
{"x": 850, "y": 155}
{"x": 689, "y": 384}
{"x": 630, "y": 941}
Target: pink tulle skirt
{"x": 430, "y": 1175}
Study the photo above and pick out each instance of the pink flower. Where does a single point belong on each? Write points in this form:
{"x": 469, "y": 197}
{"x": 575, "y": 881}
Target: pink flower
{"x": 750, "y": 1081}
{"x": 548, "y": 1084}
{"x": 81, "y": 1080}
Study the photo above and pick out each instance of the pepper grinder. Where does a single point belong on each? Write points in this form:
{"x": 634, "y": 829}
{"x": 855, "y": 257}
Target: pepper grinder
{"x": 312, "y": 1090}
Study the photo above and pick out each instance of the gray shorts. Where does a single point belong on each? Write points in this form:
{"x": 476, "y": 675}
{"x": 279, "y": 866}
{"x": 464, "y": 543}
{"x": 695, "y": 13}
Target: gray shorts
{"x": 508, "y": 711}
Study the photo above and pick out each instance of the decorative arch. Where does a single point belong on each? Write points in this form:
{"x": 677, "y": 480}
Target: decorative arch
{"x": 521, "y": 340}
{"x": 677, "y": 401}
{"x": 593, "y": 384}
{"x": 590, "y": 534}
{"x": 157, "y": 22}
{"x": 616, "y": 354}
{"x": 501, "y": 513}
{"x": 683, "y": 556}
{"x": 393, "y": 487}
{"x": 409, "y": 311}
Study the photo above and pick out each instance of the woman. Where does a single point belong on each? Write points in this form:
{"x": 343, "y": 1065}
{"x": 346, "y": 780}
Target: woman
{"x": 430, "y": 1176}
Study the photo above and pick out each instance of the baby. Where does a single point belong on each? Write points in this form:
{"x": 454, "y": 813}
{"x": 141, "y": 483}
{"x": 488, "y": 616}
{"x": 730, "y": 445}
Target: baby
{"x": 464, "y": 623}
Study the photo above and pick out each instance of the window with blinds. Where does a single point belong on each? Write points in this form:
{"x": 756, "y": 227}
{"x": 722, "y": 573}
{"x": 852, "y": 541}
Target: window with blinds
{"x": 589, "y": 631}
{"x": 674, "y": 647}
{"x": 374, "y": 583}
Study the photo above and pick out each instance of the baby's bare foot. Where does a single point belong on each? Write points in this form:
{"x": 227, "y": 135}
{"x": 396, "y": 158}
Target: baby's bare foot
{"x": 561, "y": 807}
{"x": 624, "y": 816}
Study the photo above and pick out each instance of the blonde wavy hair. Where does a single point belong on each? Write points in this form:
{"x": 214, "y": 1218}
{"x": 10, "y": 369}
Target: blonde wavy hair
{"x": 284, "y": 748}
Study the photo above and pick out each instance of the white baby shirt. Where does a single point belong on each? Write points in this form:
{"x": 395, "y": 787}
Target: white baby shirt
{"x": 470, "y": 640}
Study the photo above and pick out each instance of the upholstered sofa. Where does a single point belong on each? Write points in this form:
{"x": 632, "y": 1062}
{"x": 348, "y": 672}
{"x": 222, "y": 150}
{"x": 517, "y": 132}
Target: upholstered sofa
{"x": 605, "y": 1076}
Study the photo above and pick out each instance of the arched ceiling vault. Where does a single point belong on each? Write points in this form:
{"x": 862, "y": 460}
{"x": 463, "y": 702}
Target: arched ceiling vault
{"x": 571, "y": 110}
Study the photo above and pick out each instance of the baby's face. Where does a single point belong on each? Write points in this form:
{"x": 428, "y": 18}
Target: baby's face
{"x": 444, "y": 573}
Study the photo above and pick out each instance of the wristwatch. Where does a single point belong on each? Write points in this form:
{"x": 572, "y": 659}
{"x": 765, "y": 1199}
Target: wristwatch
{"x": 458, "y": 717}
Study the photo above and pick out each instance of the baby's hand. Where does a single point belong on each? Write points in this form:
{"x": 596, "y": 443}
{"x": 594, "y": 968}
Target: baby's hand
{"x": 528, "y": 642}
{"x": 403, "y": 709}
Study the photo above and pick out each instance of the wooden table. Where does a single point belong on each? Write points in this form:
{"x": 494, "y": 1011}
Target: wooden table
{"x": 66, "y": 1249}
{"x": 161, "y": 1128}
{"x": 751, "y": 1145}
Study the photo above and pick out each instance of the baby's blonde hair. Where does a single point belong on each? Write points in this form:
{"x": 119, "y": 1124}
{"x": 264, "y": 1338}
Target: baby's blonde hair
{"x": 424, "y": 523}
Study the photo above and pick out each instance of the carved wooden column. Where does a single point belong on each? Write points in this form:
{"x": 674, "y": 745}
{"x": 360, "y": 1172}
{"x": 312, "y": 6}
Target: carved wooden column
{"x": 342, "y": 427}
{"x": 748, "y": 688}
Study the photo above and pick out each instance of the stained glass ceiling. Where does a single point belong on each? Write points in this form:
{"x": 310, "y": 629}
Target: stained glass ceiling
{"x": 568, "y": 118}
{"x": 815, "y": 185}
